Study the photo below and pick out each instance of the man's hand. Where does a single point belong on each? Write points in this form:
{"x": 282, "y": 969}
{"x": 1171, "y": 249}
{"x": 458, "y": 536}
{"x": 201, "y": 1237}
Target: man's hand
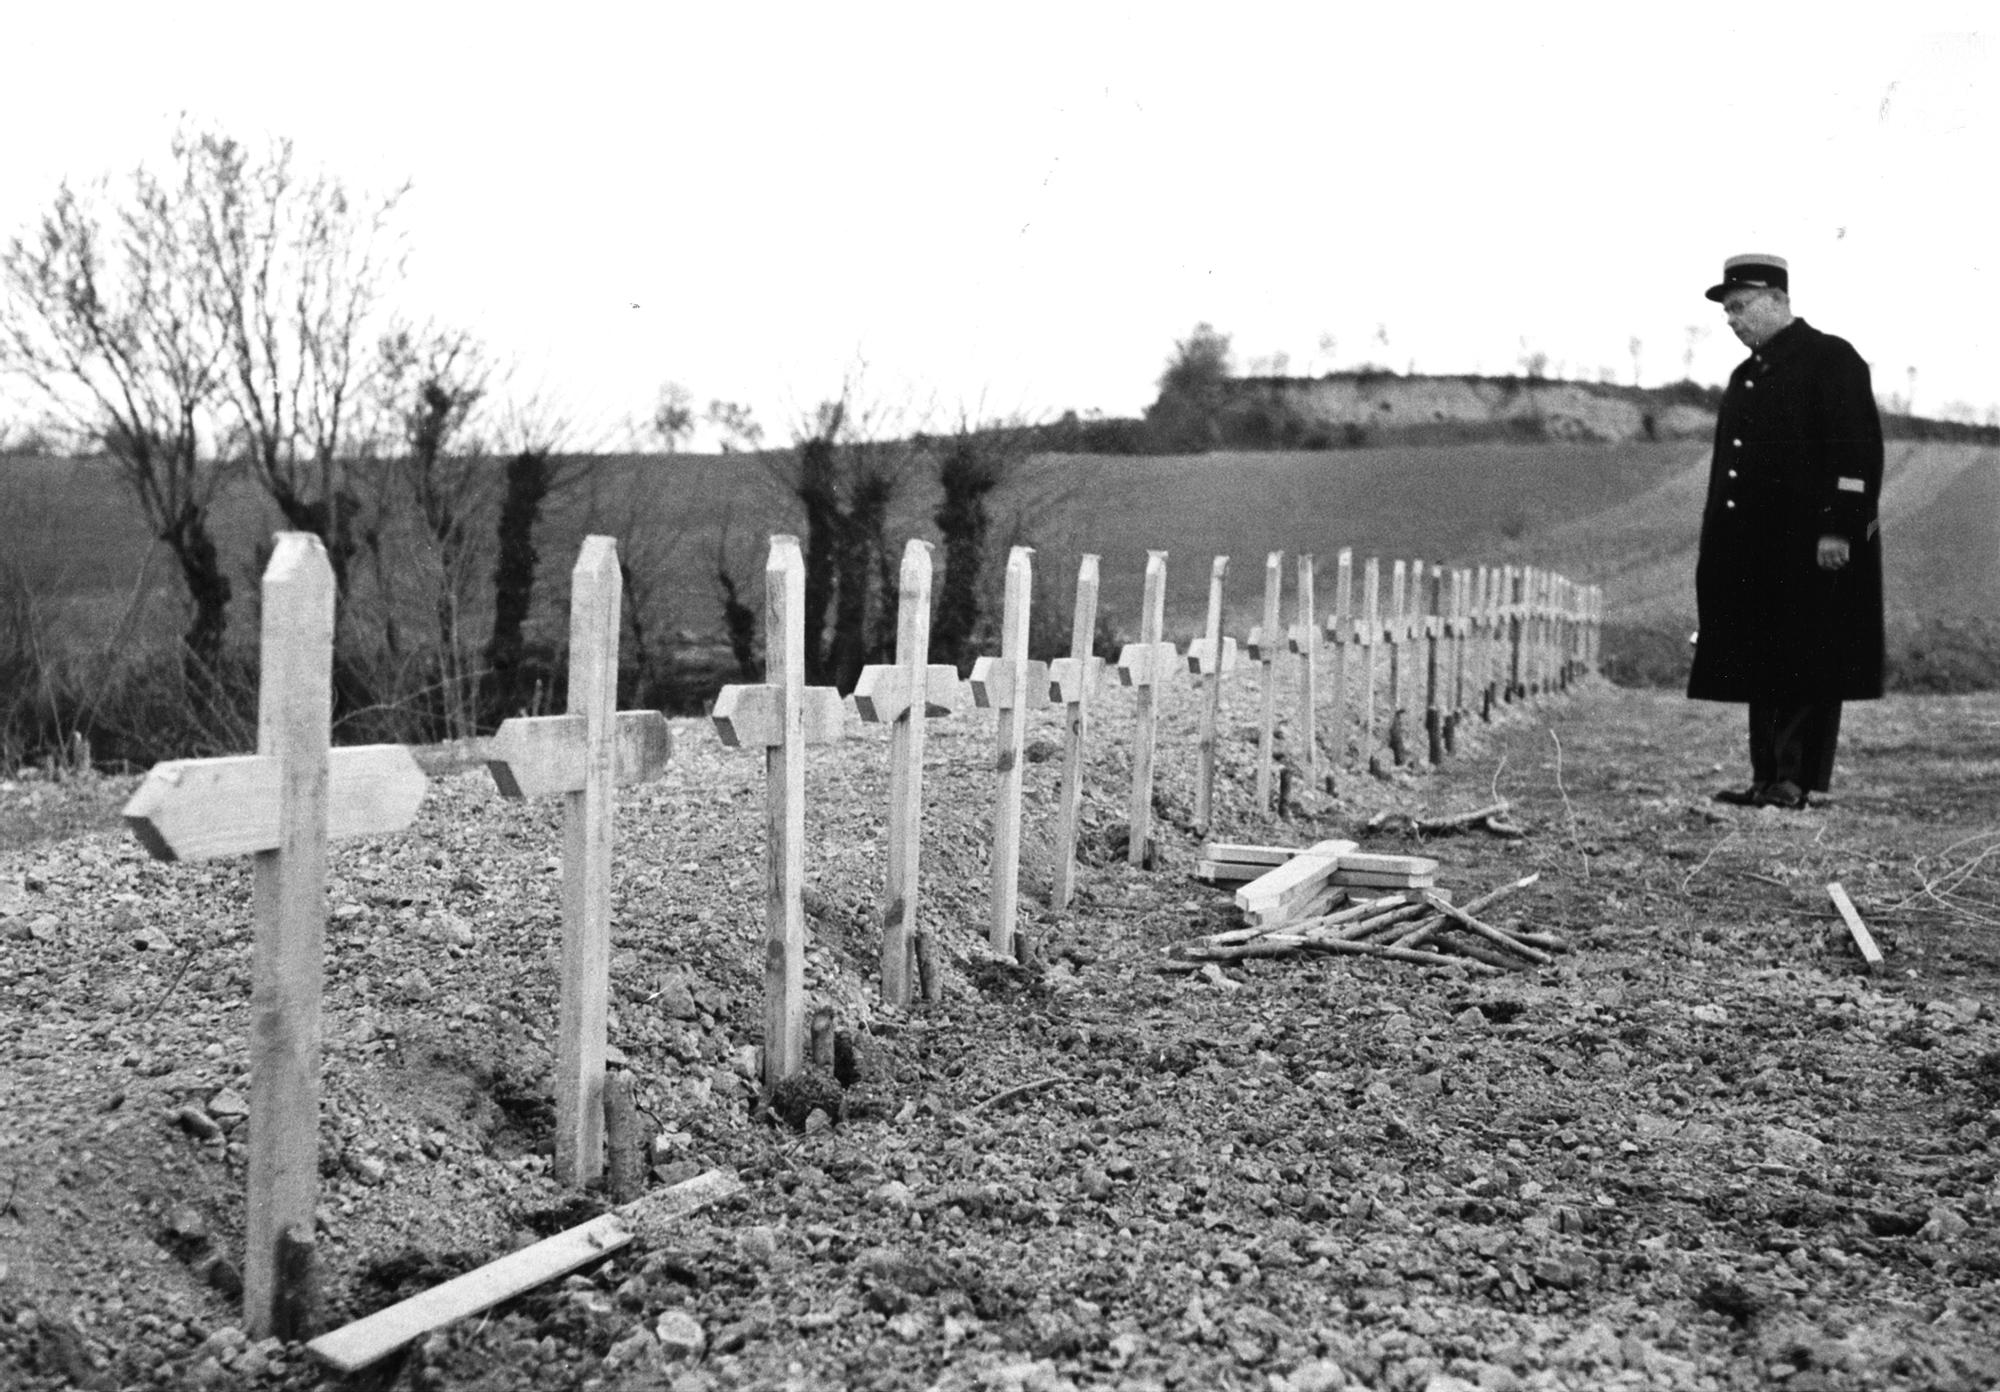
{"x": 1833, "y": 552}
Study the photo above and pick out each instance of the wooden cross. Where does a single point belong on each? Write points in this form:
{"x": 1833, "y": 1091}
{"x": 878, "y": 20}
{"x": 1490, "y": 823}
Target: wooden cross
{"x": 1395, "y": 629}
{"x": 1209, "y": 658}
{"x": 1340, "y": 631}
{"x": 1304, "y": 640}
{"x": 1263, "y": 646}
{"x": 1010, "y": 685}
{"x": 1484, "y": 623}
{"x": 1433, "y": 629}
{"x": 1071, "y": 681}
{"x": 781, "y": 716}
{"x": 281, "y": 805}
{"x": 1456, "y": 626}
{"x": 1594, "y": 629}
{"x": 1144, "y": 665}
{"x": 902, "y": 696}
{"x": 1368, "y": 631}
{"x": 583, "y": 755}
{"x": 1511, "y": 607}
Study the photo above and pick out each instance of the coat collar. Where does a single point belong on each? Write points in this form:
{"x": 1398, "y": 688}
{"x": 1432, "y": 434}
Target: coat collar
{"x": 1785, "y": 341}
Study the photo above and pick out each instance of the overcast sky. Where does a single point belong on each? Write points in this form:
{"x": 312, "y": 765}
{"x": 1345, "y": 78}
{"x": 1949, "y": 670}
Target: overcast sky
{"x": 1017, "y": 209}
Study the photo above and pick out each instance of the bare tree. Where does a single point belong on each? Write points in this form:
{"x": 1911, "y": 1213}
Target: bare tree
{"x": 532, "y": 435}
{"x": 1192, "y": 390}
{"x": 733, "y": 422}
{"x": 673, "y": 416}
{"x": 431, "y": 384}
{"x": 105, "y": 317}
{"x": 295, "y": 267}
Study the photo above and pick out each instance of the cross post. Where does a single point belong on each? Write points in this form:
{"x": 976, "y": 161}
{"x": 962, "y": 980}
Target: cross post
{"x": 281, "y": 805}
{"x": 1263, "y": 646}
{"x": 902, "y": 696}
{"x": 1304, "y": 639}
{"x": 1071, "y": 680}
{"x": 1512, "y": 590}
{"x": 583, "y": 755}
{"x": 1394, "y": 630}
{"x": 1340, "y": 632}
{"x": 1011, "y": 686}
{"x": 1209, "y": 659}
{"x": 1368, "y": 632}
{"x": 1144, "y": 666}
{"x": 782, "y": 715}
{"x": 1434, "y": 676}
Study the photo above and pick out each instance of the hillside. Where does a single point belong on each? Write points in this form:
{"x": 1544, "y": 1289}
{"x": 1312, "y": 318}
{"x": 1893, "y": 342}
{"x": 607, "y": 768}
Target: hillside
{"x": 1379, "y": 407}
{"x": 79, "y": 577}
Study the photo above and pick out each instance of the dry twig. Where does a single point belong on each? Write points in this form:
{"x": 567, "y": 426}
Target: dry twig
{"x": 1021, "y": 1090}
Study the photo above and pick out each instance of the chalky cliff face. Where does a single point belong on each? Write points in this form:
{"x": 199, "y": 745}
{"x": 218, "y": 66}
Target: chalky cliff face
{"x": 1387, "y": 406}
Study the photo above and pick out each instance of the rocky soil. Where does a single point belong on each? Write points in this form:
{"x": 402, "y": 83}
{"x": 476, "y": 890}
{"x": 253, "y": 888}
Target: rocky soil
{"x": 1705, "y": 1150}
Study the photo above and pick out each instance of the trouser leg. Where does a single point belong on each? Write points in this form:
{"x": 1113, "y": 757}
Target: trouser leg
{"x": 1822, "y": 738}
{"x": 1763, "y": 759}
{"x": 1794, "y": 742}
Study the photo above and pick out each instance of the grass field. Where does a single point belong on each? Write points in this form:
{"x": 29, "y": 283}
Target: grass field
{"x": 1625, "y": 516}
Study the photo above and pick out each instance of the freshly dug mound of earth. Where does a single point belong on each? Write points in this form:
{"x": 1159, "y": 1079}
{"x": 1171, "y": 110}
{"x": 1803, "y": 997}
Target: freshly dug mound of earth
{"x": 1704, "y": 1149}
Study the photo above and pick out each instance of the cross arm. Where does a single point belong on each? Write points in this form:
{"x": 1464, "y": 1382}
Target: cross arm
{"x": 1069, "y": 679}
{"x": 1146, "y": 664}
{"x": 882, "y": 695}
{"x": 1201, "y": 659}
{"x": 531, "y": 756}
{"x": 993, "y": 685}
{"x": 750, "y": 717}
{"x": 198, "y": 809}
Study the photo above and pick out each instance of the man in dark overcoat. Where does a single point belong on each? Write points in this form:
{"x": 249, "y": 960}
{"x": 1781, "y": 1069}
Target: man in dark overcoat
{"x": 1789, "y": 579}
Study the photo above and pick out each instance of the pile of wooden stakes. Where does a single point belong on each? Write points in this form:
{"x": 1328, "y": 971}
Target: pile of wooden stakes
{"x": 1327, "y": 899}
{"x": 1492, "y": 636}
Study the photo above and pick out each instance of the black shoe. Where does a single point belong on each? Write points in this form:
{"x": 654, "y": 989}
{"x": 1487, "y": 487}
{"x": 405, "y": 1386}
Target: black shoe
{"x": 1782, "y": 794}
{"x": 1752, "y": 796}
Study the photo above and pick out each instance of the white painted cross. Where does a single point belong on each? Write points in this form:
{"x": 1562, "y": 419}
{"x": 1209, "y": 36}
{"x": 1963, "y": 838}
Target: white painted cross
{"x": 902, "y": 696}
{"x": 1368, "y": 631}
{"x": 1513, "y": 600}
{"x": 1455, "y": 628}
{"x": 1071, "y": 681}
{"x": 282, "y": 804}
{"x": 1485, "y": 619}
{"x": 1144, "y": 665}
{"x": 1395, "y": 630}
{"x": 781, "y": 716}
{"x": 1010, "y": 685}
{"x": 583, "y": 755}
{"x": 1210, "y": 658}
{"x": 1431, "y": 602}
{"x": 1340, "y": 629}
{"x": 1304, "y": 640}
{"x": 1263, "y": 649}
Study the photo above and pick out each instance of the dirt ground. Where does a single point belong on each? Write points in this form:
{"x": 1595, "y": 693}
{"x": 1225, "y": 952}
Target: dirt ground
{"x": 1703, "y": 1150}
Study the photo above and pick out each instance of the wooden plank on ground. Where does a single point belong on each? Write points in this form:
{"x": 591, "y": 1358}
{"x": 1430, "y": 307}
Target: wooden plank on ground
{"x": 1244, "y": 854}
{"x": 1863, "y": 939}
{"x": 375, "y": 1337}
{"x": 1387, "y": 864}
{"x": 1369, "y": 879}
{"x": 1304, "y": 872}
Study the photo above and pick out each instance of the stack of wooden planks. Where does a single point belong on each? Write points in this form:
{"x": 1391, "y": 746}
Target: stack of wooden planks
{"x": 1283, "y": 884}
{"x": 1332, "y": 897}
